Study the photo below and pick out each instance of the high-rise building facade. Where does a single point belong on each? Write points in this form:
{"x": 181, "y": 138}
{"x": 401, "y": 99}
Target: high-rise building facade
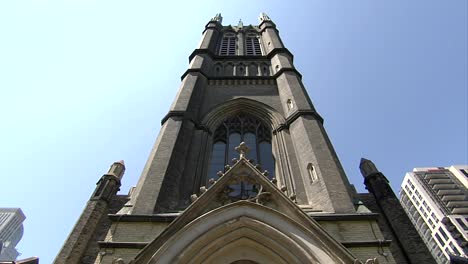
{"x": 243, "y": 172}
{"x": 436, "y": 201}
{"x": 11, "y": 232}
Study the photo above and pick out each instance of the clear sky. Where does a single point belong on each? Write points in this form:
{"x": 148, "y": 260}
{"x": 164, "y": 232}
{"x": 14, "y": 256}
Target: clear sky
{"x": 85, "y": 83}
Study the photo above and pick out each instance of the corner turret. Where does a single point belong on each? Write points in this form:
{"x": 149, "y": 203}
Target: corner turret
{"x": 74, "y": 248}
{"x": 109, "y": 183}
{"x": 404, "y": 231}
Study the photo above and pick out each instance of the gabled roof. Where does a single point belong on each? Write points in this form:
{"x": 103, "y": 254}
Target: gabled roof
{"x": 269, "y": 215}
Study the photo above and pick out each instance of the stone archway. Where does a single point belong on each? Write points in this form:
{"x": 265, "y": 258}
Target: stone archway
{"x": 263, "y": 112}
{"x": 245, "y": 231}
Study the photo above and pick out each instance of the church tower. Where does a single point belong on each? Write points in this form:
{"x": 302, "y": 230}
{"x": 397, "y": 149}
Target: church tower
{"x": 241, "y": 85}
{"x": 242, "y": 171}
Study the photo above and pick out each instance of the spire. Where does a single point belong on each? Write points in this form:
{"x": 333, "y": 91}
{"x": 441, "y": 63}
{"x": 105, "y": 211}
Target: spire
{"x": 217, "y": 18}
{"x": 367, "y": 167}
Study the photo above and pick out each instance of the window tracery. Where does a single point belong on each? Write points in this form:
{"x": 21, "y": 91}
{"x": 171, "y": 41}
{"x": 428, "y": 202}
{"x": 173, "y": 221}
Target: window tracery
{"x": 228, "y": 135}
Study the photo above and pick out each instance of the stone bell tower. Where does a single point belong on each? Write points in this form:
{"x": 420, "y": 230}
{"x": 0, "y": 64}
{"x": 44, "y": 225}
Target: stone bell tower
{"x": 242, "y": 171}
{"x": 241, "y": 72}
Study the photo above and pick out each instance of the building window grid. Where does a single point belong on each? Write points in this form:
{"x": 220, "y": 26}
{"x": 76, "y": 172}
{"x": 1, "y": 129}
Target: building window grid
{"x": 440, "y": 240}
{"x": 442, "y": 256}
{"x": 408, "y": 189}
{"x": 443, "y": 233}
{"x": 436, "y": 250}
{"x": 425, "y": 226}
{"x": 416, "y": 201}
{"x": 411, "y": 184}
{"x": 423, "y": 179}
{"x": 433, "y": 215}
{"x": 464, "y": 172}
{"x": 462, "y": 224}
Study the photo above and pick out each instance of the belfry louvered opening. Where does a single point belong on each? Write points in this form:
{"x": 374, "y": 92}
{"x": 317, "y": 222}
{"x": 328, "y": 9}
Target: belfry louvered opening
{"x": 228, "y": 45}
{"x": 252, "y": 45}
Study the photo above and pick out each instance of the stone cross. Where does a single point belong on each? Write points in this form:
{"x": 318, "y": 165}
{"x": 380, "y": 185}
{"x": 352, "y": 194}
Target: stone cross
{"x": 242, "y": 149}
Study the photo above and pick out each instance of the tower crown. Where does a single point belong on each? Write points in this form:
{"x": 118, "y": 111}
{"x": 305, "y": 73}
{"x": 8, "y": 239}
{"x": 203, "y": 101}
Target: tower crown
{"x": 239, "y": 40}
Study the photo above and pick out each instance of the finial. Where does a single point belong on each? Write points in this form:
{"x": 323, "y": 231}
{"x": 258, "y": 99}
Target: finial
{"x": 242, "y": 149}
{"x": 217, "y": 18}
{"x": 240, "y": 25}
{"x": 193, "y": 197}
{"x": 367, "y": 167}
{"x": 117, "y": 168}
{"x": 203, "y": 189}
{"x": 264, "y": 17}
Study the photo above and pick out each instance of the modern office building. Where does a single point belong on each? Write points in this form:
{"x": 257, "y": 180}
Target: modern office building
{"x": 11, "y": 231}
{"x": 243, "y": 172}
{"x": 436, "y": 201}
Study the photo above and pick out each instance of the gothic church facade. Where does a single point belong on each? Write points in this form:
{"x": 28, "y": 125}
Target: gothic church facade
{"x": 243, "y": 172}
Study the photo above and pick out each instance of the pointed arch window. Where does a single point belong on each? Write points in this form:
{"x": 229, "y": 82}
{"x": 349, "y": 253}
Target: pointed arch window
{"x": 228, "y": 45}
{"x": 252, "y": 45}
{"x": 230, "y": 133}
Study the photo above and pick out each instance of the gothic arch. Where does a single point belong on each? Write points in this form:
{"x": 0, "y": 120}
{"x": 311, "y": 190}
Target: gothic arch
{"x": 241, "y": 69}
{"x": 259, "y": 110}
{"x": 218, "y": 69}
{"x": 229, "y": 69}
{"x": 253, "y": 69}
{"x": 232, "y": 231}
{"x": 265, "y": 69}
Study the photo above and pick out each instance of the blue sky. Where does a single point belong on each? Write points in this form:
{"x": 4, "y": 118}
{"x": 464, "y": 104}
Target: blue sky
{"x": 86, "y": 83}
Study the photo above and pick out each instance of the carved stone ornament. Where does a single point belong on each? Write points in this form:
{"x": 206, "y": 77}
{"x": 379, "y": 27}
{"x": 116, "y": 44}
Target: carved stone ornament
{"x": 193, "y": 197}
{"x": 242, "y": 184}
{"x": 118, "y": 261}
{"x": 240, "y": 25}
{"x": 203, "y": 190}
{"x": 217, "y": 18}
{"x": 242, "y": 149}
{"x": 264, "y": 17}
{"x": 372, "y": 261}
{"x": 369, "y": 261}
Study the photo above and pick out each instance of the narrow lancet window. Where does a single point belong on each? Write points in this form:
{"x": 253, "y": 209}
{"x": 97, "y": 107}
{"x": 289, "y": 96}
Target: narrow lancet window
{"x": 312, "y": 173}
{"x": 290, "y": 104}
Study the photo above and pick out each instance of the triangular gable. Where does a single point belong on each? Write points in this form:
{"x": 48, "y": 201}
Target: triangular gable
{"x": 217, "y": 198}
